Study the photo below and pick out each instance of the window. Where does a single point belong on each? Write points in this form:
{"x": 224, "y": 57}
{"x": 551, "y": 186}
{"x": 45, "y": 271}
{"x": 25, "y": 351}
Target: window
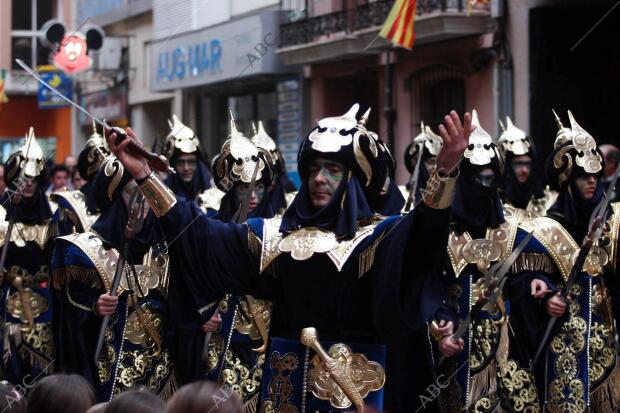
{"x": 437, "y": 91}
{"x": 27, "y": 17}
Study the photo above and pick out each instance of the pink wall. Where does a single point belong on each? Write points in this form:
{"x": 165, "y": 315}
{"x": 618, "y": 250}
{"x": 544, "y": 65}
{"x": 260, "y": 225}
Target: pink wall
{"x": 5, "y": 34}
{"x": 478, "y": 87}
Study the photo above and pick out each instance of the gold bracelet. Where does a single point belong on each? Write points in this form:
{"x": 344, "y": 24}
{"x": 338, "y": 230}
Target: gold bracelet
{"x": 160, "y": 198}
{"x": 439, "y": 191}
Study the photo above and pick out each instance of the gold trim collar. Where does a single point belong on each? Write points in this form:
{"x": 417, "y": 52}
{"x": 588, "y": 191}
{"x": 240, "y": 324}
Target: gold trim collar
{"x": 303, "y": 243}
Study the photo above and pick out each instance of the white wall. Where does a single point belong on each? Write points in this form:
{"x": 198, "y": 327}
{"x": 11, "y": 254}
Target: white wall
{"x": 245, "y": 6}
{"x": 172, "y": 17}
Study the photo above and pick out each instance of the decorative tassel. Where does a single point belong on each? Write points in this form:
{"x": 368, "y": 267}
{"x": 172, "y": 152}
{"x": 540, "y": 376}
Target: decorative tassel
{"x": 483, "y": 384}
{"x": 367, "y": 257}
{"x": 171, "y": 386}
{"x": 35, "y": 359}
{"x": 251, "y": 405}
{"x": 605, "y": 397}
{"x": 502, "y": 349}
{"x": 87, "y": 276}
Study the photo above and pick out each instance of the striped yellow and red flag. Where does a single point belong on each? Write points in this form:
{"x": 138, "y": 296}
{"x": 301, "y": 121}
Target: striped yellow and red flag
{"x": 398, "y": 27}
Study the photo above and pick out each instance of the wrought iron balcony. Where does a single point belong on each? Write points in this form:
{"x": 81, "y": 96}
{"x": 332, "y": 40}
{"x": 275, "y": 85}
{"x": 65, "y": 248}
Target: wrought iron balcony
{"x": 318, "y": 20}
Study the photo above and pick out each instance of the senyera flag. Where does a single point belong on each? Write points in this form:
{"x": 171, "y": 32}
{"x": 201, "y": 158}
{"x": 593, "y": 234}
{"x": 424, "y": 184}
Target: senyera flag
{"x": 398, "y": 27}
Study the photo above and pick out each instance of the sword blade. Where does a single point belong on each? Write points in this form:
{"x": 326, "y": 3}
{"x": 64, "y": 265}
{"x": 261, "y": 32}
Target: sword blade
{"x": 60, "y": 95}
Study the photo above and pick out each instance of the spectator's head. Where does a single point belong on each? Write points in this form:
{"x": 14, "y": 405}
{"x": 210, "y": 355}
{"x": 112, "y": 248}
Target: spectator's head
{"x": 67, "y": 393}
{"x": 204, "y": 396}
{"x": 136, "y": 401}
{"x": 70, "y": 162}
{"x": 611, "y": 154}
{"x": 59, "y": 177}
{"x": 11, "y": 400}
{"x": 98, "y": 408}
{"x": 2, "y": 183}
{"x": 76, "y": 179}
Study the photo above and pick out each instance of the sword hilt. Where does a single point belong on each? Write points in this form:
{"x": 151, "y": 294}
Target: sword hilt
{"x": 156, "y": 161}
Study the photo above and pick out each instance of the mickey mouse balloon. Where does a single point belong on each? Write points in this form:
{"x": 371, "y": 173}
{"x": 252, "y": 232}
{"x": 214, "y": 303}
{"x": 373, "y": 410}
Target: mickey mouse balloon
{"x": 73, "y": 48}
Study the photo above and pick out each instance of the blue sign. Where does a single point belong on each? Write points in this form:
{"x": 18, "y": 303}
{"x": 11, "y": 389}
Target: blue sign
{"x": 60, "y": 81}
{"x": 289, "y": 124}
{"x": 189, "y": 61}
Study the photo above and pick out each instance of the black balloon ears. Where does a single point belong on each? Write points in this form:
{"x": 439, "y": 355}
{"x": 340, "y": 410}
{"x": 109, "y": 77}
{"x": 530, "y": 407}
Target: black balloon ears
{"x": 94, "y": 38}
{"x": 53, "y": 31}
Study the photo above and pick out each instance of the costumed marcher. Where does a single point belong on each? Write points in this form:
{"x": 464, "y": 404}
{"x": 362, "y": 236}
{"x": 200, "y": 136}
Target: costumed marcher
{"x": 236, "y": 352}
{"x": 282, "y": 190}
{"x": 77, "y": 210}
{"x": 135, "y": 350}
{"x": 577, "y": 365}
{"x": 522, "y": 186}
{"x": 27, "y": 302}
{"x": 430, "y": 145}
{"x": 182, "y": 148}
{"x": 483, "y": 232}
{"x": 389, "y": 200}
{"x": 611, "y": 156}
{"x": 336, "y": 276}
{"x": 228, "y": 176}
{"x": 192, "y": 360}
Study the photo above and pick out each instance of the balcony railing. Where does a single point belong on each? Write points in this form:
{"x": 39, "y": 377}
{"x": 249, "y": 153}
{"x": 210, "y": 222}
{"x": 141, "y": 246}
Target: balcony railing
{"x": 313, "y": 20}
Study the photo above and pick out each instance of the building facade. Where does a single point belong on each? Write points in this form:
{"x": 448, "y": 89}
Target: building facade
{"x": 501, "y": 57}
{"x": 20, "y": 24}
{"x": 220, "y": 56}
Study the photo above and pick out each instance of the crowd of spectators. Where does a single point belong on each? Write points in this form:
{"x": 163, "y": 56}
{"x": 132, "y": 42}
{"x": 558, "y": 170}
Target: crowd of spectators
{"x": 71, "y": 393}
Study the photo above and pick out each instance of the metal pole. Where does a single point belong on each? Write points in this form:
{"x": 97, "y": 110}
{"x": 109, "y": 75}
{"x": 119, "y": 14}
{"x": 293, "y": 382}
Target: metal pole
{"x": 390, "y": 112}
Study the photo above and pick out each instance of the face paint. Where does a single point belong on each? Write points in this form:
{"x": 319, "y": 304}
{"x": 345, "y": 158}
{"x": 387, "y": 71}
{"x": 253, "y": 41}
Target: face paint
{"x": 257, "y": 195}
{"x": 522, "y": 167}
{"x": 323, "y": 180}
{"x": 586, "y": 185}
{"x": 185, "y": 166}
{"x": 429, "y": 164}
{"x": 486, "y": 178}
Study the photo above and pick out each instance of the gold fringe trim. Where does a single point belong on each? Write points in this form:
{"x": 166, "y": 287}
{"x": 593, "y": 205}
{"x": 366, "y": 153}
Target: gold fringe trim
{"x": 484, "y": 383}
{"x": 254, "y": 244}
{"x": 251, "y": 405}
{"x": 36, "y": 359}
{"x": 502, "y": 349}
{"x": 171, "y": 386}
{"x": 367, "y": 258}
{"x": 605, "y": 398}
{"x": 88, "y": 276}
{"x": 533, "y": 262}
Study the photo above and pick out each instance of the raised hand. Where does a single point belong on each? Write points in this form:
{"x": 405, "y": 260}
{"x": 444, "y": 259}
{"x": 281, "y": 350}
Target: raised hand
{"x": 137, "y": 166}
{"x": 455, "y": 140}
